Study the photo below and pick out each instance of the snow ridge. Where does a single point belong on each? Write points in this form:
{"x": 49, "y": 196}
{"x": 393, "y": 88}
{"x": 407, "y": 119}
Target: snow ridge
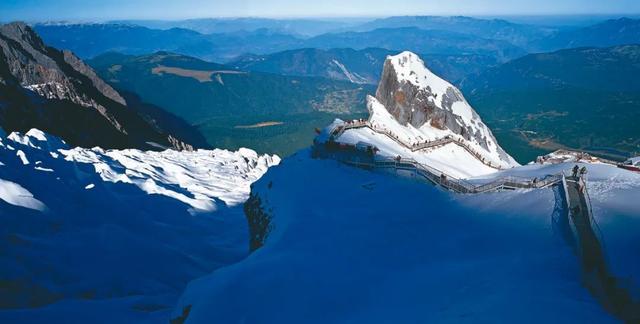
{"x": 410, "y": 68}
{"x": 200, "y": 178}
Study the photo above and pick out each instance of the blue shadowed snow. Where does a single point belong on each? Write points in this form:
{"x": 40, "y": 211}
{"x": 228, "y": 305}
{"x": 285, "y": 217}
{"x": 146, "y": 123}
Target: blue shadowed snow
{"x": 351, "y": 246}
{"x": 107, "y": 253}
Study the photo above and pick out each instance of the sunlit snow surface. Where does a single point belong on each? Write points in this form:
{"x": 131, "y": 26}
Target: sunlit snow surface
{"x": 353, "y": 246}
{"x": 16, "y": 195}
{"x": 114, "y": 236}
{"x": 410, "y": 68}
{"x": 450, "y": 159}
{"x": 195, "y": 178}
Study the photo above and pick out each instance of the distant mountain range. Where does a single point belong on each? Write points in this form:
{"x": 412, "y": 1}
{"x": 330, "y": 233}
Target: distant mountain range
{"x": 231, "y": 107}
{"x": 584, "y": 98}
{"x": 608, "y": 33}
{"x": 222, "y": 40}
{"x": 89, "y": 40}
{"x": 53, "y": 90}
{"x": 419, "y": 40}
{"x": 294, "y": 82}
{"x": 300, "y": 27}
{"x": 357, "y": 66}
{"x": 520, "y": 35}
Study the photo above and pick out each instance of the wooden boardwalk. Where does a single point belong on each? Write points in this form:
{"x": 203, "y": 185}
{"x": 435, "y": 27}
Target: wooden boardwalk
{"x": 450, "y": 183}
{"x": 341, "y": 128}
{"x": 602, "y": 284}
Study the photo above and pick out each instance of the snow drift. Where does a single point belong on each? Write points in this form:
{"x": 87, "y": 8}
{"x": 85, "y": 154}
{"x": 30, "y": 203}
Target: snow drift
{"x": 93, "y": 235}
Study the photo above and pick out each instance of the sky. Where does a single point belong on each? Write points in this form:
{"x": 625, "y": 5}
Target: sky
{"x": 46, "y": 10}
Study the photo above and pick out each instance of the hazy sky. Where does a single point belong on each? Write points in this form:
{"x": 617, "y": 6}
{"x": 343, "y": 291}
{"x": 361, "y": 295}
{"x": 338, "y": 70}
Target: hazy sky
{"x": 33, "y": 10}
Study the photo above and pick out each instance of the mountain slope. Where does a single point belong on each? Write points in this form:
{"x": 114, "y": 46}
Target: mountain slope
{"x": 57, "y": 92}
{"x": 92, "y": 235}
{"x": 419, "y": 41}
{"x": 413, "y": 106}
{"x": 89, "y": 40}
{"x": 233, "y": 108}
{"x": 612, "y": 32}
{"x": 518, "y": 34}
{"x": 499, "y": 39}
{"x": 357, "y": 66}
{"x": 304, "y": 27}
{"x": 397, "y": 248}
{"x": 585, "y": 98}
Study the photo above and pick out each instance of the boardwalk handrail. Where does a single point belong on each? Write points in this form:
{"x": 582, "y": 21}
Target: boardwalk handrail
{"x": 434, "y": 175}
{"x": 585, "y": 227}
{"x": 592, "y": 219}
{"x": 339, "y": 129}
{"x": 454, "y": 184}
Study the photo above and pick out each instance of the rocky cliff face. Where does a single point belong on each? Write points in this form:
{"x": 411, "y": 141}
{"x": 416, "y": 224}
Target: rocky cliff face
{"x": 55, "y": 91}
{"x": 259, "y": 220}
{"x": 415, "y": 96}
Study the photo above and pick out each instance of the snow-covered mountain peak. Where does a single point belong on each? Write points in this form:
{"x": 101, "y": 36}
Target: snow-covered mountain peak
{"x": 414, "y": 108}
{"x": 415, "y": 95}
{"x": 409, "y": 67}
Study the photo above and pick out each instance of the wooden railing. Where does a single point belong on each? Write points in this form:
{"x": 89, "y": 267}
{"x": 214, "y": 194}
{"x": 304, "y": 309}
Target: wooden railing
{"x": 339, "y": 129}
{"x": 454, "y": 184}
{"x": 432, "y": 174}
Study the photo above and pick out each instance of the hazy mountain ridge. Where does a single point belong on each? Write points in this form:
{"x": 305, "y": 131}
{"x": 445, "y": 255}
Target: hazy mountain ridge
{"x": 611, "y": 32}
{"x": 499, "y": 38}
{"x": 88, "y": 40}
{"x": 418, "y": 40}
{"x": 299, "y": 27}
{"x": 520, "y": 35}
{"x": 358, "y": 66}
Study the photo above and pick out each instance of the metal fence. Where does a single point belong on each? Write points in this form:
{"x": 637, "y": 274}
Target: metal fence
{"x": 339, "y": 129}
{"x": 451, "y": 183}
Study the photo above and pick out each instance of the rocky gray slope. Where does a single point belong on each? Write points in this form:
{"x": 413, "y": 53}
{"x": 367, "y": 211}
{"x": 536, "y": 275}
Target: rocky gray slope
{"x": 415, "y": 96}
{"x": 55, "y": 91}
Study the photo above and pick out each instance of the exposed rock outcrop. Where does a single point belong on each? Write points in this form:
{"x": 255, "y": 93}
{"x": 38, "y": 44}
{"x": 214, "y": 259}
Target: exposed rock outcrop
{"x": 57, "y": 92}
{"x": 415, "y": 96}
{"x": 259, "y": 221}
